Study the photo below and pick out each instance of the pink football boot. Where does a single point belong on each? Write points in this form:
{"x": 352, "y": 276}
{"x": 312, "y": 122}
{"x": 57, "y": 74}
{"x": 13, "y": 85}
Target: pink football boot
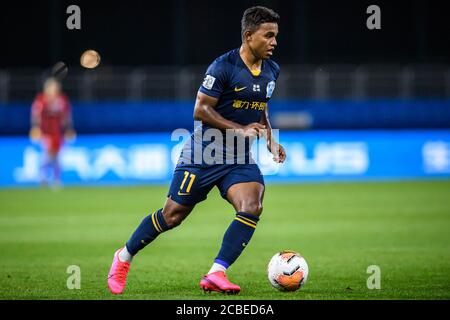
{"x": 218, "y": 281}
{"x": 117, "y": 277}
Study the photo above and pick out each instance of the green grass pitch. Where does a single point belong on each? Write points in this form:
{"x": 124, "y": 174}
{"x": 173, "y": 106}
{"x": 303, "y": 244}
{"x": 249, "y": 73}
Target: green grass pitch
{"x": 340, "y": 228}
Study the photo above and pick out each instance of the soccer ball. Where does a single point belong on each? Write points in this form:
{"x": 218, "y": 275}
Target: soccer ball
{"x": 287, "y": 271}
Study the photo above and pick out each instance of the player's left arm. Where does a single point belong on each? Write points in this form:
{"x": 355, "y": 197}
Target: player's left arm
{"x": 279, "y": 154}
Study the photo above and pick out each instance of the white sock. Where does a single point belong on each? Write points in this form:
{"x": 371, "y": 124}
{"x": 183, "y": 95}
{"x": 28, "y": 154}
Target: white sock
{"x": 217, "y": 267}
{"x": 124, "y": 255}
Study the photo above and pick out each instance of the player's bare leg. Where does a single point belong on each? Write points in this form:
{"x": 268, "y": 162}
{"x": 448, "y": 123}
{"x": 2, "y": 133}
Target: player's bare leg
{"x": 50, "y": 161}
{"x": 45, "y": 161}
{"x": 43, "y": 170}
{"x": 54, "y": 160}
{"x": 246, "y": 199}
{"x": 170, "y": 216}
{"x": 174, "y": 213}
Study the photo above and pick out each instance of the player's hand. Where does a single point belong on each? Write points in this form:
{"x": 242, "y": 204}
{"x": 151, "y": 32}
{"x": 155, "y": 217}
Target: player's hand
{"x": 279, "y": 154}
{"x": 252, "y": 130}
{"x": 35, "y": 134}
{"x": 70, "y": 134}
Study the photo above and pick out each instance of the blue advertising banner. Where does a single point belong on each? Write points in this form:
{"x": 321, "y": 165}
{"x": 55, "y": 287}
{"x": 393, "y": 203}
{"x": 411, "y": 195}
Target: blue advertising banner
{"x": 311, "y": 156}
{"x": 158, "y": 116}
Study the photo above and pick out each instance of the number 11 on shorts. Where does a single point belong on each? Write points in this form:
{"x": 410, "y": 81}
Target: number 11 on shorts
{"x": 191, "y": 181}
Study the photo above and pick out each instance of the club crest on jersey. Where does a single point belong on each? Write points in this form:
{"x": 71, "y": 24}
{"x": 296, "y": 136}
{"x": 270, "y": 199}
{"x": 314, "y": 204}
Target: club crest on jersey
{"x": 270, "y": 88}
{"x": 208, "y": 82}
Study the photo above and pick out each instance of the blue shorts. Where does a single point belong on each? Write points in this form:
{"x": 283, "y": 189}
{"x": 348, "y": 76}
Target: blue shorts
{"x": 191, "y": 183}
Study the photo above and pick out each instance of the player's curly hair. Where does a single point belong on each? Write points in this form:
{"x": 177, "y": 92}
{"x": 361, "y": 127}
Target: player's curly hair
{"x": 255, "y": 16}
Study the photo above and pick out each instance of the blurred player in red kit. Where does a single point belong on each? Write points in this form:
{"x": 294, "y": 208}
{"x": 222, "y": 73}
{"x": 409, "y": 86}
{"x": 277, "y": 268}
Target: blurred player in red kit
{"x": 51, "y": 121}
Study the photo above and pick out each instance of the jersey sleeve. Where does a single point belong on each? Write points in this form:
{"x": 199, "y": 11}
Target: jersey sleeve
{"x": 215, "y": 80}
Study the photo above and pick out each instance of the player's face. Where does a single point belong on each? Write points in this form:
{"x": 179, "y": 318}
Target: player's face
{"x": 263, "y": 41}
{"x": 51, "y": 89}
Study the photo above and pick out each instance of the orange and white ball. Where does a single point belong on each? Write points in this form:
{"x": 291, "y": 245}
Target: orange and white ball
{"x": 287, "y": 271}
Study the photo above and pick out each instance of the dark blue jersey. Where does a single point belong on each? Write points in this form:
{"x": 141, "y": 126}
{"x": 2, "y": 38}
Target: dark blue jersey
{"x": 242, "y": 95}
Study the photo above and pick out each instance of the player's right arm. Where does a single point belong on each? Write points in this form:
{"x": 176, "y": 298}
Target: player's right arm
{"x": 36, "y": 111}
{"x": 204, "y": 111}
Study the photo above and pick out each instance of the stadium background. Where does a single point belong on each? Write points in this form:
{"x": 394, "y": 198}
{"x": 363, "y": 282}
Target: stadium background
{"x": 351, "y": 104}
